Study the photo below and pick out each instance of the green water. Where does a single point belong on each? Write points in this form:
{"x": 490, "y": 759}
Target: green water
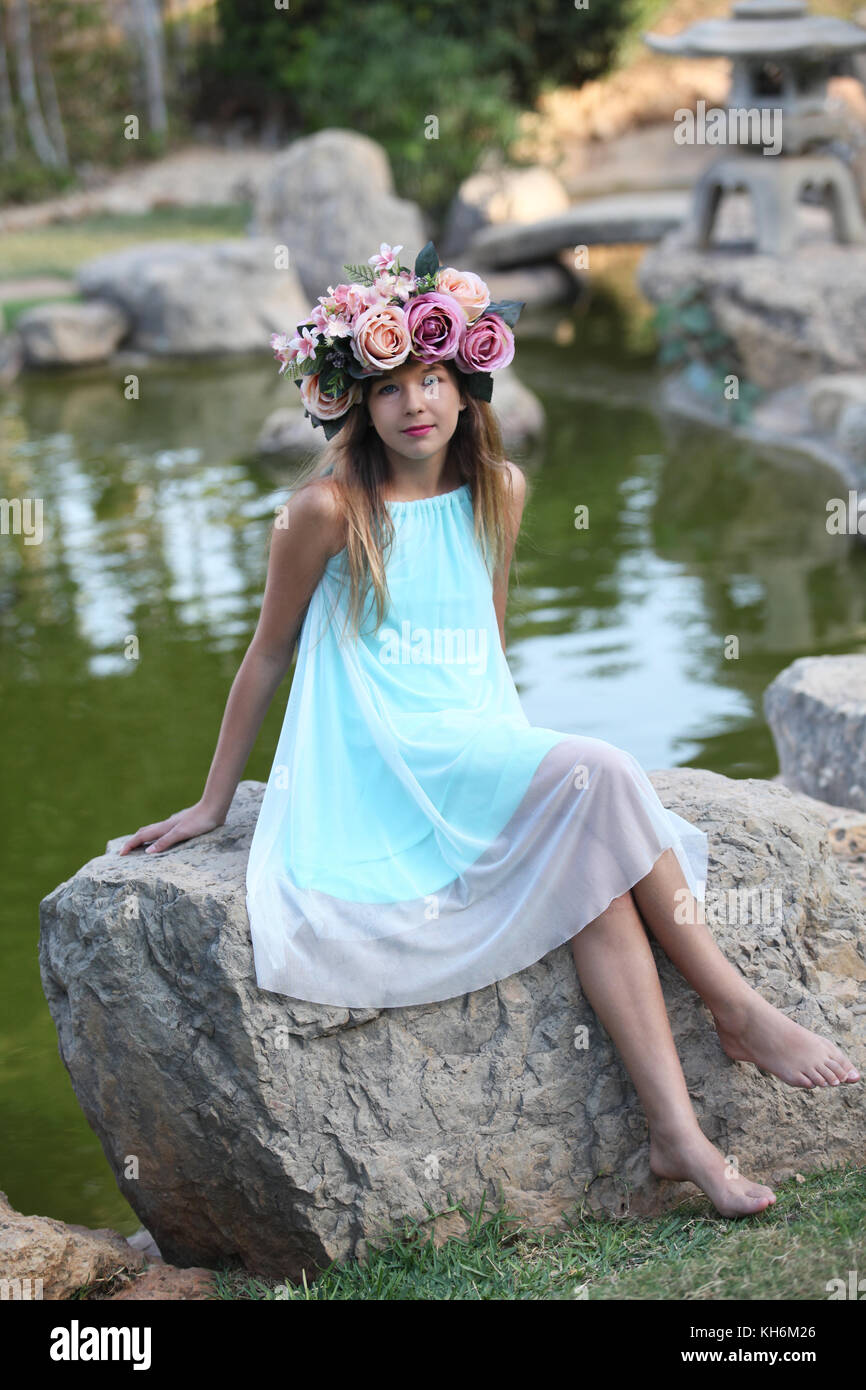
{"x": 155, "y": 519}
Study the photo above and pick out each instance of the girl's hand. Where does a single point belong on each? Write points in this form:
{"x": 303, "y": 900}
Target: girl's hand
{"x": 183, "y": 825}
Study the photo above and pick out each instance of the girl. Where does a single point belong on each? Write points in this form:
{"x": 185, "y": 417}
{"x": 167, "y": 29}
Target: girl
{"x": 418, "y": 839}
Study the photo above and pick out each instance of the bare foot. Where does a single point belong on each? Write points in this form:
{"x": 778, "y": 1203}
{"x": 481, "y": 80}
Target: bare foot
{"x": 753, "y": 1030}
{"x": 692, "y": 1158}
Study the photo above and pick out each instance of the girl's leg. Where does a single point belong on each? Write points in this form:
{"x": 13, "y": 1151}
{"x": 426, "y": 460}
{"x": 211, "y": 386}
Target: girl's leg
{"x": 619, "y": 978}
{"x": 749, "y": 1027}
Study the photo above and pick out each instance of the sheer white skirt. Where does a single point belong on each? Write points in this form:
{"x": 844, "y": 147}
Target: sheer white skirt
{"x": 588, "y": 828}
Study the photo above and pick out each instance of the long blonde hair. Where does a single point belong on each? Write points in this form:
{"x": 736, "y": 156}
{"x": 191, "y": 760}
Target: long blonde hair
{"x": 356, "y": 462}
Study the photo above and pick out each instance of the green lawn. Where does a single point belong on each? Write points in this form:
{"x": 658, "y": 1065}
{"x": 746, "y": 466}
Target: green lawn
{"x": 815, "y": 1232}
{"x": 61, "y": 247}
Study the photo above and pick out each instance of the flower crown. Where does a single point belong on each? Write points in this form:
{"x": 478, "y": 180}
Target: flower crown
{"x": 388, "y": 315}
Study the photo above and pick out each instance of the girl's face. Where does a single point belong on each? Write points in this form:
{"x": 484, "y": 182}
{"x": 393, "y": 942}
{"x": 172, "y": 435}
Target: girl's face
{"x": 410, "y": 396}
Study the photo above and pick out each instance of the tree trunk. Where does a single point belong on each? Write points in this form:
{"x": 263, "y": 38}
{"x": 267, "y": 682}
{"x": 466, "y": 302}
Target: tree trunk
{"x": 20, "y": 20}
{"x": 8, "y": 138}
{"x": 147, "y": 20}
{"x": 49, "y": 99}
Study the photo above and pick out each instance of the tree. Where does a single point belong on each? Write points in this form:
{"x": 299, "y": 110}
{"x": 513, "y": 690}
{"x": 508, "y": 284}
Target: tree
{"x": 27, "y": 89}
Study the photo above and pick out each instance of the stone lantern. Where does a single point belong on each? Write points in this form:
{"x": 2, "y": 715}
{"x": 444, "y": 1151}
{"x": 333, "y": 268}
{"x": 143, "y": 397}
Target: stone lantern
{"x": 782, "y": 122}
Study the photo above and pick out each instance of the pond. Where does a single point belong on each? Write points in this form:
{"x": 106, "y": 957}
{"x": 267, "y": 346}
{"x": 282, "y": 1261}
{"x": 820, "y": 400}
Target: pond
{"x": 155, "y": 522}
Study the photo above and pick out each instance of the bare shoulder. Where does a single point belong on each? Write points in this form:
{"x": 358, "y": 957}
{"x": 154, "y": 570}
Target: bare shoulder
{"x": 518, "y": 483}
{"x": 518, "y": 491}
{"x": 314, "y": 514}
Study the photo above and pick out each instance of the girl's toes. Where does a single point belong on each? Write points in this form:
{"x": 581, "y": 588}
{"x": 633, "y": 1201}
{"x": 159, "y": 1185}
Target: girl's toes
{"x": 853, "y": 1075}
{"x": 828, "y": 1073}
{"x": 815, "y": 1077}
{"x": 761, "y": 1198}
{"x": 802, "y": 1079}
{"x": 839, "y": 1066}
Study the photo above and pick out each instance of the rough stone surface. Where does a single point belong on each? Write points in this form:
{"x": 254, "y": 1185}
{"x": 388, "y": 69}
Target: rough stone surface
{"x": 791, "y": 316}
{"x": 67, "y": 334}
{"x": 200, "y": 299}
{"x": 287, "y": 1133}
{"x": 816, "y": 709}
{"x": 330, "y": 199}
{"x": 66, "y": 1258}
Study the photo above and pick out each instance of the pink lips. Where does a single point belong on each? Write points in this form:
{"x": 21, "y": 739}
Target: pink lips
{"x": 419, "y": 429}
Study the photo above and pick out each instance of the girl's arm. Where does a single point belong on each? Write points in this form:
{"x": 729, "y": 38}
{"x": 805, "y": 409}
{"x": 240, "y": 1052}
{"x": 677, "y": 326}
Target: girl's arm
{"x": 308, "y": 531}
{"x": 500, "y": 582}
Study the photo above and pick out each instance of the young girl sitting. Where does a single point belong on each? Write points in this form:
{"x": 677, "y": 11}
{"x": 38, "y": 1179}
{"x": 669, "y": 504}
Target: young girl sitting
{"x": 418, "y": 838}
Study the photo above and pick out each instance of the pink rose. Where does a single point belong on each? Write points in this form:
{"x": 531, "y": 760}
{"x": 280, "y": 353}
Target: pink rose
{"x": 468, "y": 289}
{"x": 327, "y": 407}
{"x": 487, "y": 344}
{"x": 381, "y": 337}
{"x": 436, "y": 323}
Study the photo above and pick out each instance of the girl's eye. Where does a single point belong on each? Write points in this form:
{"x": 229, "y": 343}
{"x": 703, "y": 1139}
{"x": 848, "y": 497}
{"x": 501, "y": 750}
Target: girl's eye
{"x": 389, "y": 386}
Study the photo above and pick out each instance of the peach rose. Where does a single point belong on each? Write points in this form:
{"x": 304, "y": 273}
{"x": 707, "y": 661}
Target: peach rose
{"x": 327, "y": 407}
{"x": 381, "y": 337}
{"x": 468, "y": 289}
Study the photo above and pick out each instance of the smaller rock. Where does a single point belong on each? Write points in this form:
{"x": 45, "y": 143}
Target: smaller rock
{"x": 290, "y": 433}
{"x": 198, "y": 299}
{"x": 65, "y": 334}
{"x": 816, "y": 709}
{"x": 59, "y": 1259}
{"x": 519, "y": 411}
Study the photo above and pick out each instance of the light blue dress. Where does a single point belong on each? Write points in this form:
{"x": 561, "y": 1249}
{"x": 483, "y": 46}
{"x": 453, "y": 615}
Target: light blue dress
{"x": 418, "y": 837}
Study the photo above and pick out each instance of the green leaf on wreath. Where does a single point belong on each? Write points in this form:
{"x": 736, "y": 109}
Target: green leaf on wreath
{"x": 479, "y": 385}
{"x": 427, "y": 261}
{"x": 507, "y": 309}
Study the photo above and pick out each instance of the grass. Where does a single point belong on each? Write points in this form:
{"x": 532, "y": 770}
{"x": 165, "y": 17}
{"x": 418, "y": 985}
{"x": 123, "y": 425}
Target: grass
{"x": 61, "y": 247}
{"x": 814, "y": 1233}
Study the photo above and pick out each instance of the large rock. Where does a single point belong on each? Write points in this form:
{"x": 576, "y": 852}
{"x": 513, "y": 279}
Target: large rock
{"x": 330, "y": 199}
{"x": 288, "y": 1133}
{"x": 201, "y": 299}
{"x": 816, "y": 709}
{"x": 791, "y": 317}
